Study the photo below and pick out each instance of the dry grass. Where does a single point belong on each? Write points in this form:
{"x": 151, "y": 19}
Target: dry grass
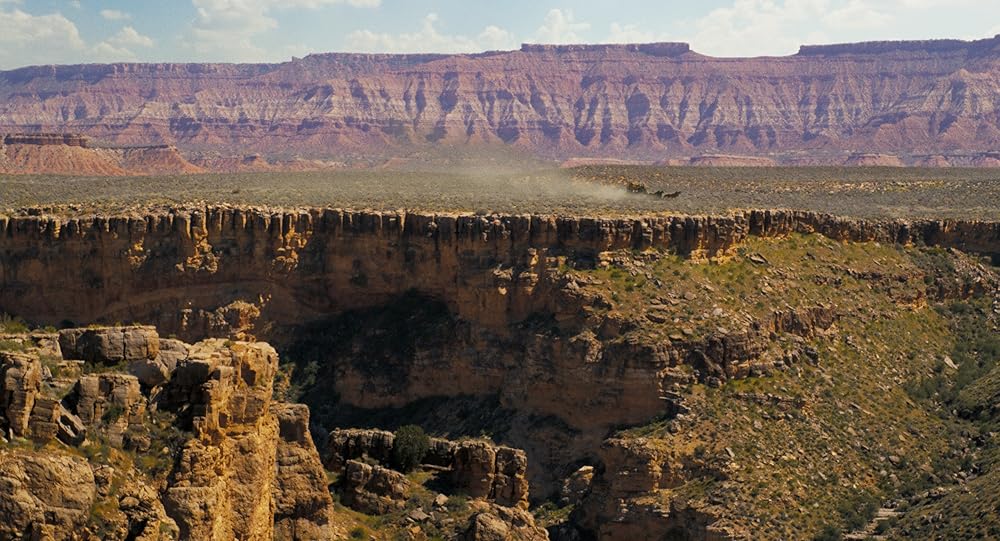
{"x": 864, "y": 192}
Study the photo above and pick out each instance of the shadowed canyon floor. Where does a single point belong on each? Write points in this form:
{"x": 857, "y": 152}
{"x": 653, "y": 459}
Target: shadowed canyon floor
{"x": 647, "y": 374}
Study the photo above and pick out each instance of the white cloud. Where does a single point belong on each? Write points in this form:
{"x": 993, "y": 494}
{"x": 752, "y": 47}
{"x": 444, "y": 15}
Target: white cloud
{"x": 429, "y": 39}
{"x": 226, "y": 29}
{"x": 128, "y": 37}
{"x": 857, "y": 14}
{"x": 37, "y": 39}
{"x": 630, "y": 33}
{"x": 560, "y": 27}
{"x": 114, "y": 15}
{"x": 778, "y": 27}
{"x": 121, "y": 46}
{"x": 44, "y": 39}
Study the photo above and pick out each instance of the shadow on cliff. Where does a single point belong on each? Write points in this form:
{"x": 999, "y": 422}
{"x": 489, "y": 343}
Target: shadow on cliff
{"x": 373, "y": 353}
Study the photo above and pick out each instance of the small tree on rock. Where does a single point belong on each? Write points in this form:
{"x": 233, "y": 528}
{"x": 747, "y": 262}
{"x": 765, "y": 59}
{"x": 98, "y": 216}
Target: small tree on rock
{"x": 409, "y": 447}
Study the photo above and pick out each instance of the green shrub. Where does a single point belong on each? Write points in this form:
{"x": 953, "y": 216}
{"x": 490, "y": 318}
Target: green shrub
{"x": 113, "y": 413}
{"x": 829, "y": 533}
{"x": 12, "y": 345}
{"x": 13, "y": 325}
{"x": 409, "y": 448}
{"x": 858, "y": 511}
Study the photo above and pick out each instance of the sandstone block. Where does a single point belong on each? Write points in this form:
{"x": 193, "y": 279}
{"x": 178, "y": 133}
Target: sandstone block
{"x": 349, "y": 444}
{"x": 474, "y": 468}
{"x": 374, "y": 489}
{"x": 20, "y": 383}
{"x": 102, "y": 395}
{"x": 109, "y": 345}
{"x": 303, "y": 504}
{"x": 510, "y": 487}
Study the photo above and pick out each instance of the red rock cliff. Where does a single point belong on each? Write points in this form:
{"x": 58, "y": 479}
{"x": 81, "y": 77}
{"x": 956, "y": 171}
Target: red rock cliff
{"x": 637, "y": 101}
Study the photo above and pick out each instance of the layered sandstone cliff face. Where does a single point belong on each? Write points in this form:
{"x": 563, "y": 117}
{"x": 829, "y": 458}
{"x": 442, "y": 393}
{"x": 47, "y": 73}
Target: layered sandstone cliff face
{"x": 220, "y": 267}
{"x": 640, "y": 101}
{"x": 238, "y": 273}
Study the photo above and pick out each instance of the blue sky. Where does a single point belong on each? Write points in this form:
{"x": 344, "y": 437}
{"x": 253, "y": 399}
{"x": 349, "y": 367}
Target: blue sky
{"x": 73, "y": 31}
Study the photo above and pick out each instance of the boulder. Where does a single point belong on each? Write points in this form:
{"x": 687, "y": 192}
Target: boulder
{"x": 510, "y": 487}
{"x": 374, "y": 489}
{"x": 492, "y": 522}
{"x": 50, "y": 419}
{"x": 172, "y": 352}
{"x": 108, "y": 398}
{"x": 441, "y": 453}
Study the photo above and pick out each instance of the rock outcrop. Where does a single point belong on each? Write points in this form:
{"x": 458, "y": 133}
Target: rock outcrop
{"x": 497, "y": 523}
{"x": 110, "y": 345}
{"x": 732, "y": 161}
{"x": 21, "y": 379}
{"x": 643, "y": 101}
{"x": 490, "y": 274}
{"x": 301, "y": 497}
{"x": 374, "y": 489}
{"x": 618, "y": 504}
{"x": 44, "y": 496}
{"x": 51, "y": 154}
{"x": 247, "y": 470}
{"x": 874, "y": 160}
{"x": 476, "y": 468}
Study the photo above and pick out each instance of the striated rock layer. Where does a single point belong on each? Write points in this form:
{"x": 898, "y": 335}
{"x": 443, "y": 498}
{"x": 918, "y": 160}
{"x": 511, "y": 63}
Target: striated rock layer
{"x": 221, "y": 268}
{"x": 647, "y": 101}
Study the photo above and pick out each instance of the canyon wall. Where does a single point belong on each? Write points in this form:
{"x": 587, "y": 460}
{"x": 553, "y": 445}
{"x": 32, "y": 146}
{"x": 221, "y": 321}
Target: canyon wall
{"x": 646, "y": 101}
{"x": 245, "y": 272}
{"x": 296, "y": 265}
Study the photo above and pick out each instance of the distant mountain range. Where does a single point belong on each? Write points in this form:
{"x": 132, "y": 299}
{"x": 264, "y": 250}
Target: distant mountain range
{"x": 923, "y": 101}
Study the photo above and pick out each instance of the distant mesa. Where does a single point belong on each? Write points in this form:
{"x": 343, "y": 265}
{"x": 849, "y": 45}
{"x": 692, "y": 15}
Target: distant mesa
{"x": 988, "y": 159}
{"x": 723, "y": 160}
{"x": 666, "y": 49}
{"x": 918, "y": 46}
{"x": 581, "y": 162}
{"x": 934, "y": 161}
{"x": 638, "y": 102}
{"x": 874, "y": 160}
{"x": 73, "y": 154}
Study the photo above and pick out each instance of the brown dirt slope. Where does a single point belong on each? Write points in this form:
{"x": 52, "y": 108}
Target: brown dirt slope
{"x": 61, "y": 159}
